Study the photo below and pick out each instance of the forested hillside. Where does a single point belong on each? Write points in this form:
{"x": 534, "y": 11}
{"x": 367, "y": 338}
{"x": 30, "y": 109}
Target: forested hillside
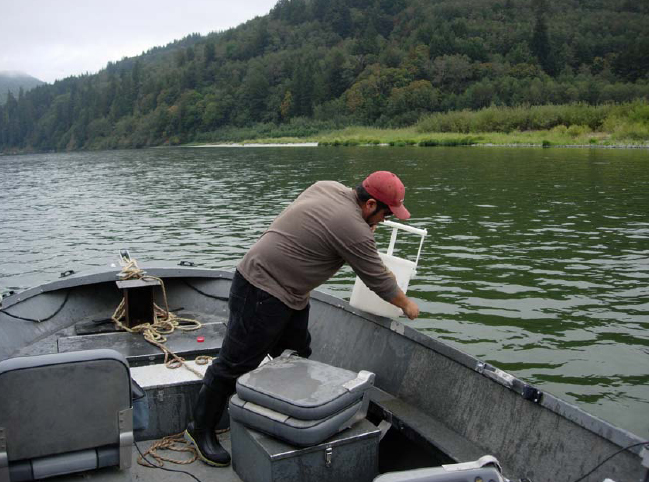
{"x": 312, "y": 64}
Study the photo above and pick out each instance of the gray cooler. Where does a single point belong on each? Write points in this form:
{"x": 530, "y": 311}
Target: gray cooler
{"x": 350, "y": 455}
{"x": 302, "y": 402}
{"x": 294, "y": 419}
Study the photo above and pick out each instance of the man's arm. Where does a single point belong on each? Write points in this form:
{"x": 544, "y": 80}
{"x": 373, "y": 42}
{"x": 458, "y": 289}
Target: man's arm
{"x": 409, "y": 307}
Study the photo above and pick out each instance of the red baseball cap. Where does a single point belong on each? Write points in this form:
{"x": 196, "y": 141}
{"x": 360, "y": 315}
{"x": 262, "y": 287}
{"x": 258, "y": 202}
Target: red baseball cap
{"x": 386, "y": 187}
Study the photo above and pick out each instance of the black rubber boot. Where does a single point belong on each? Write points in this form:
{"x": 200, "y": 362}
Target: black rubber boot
{"x": 207, "y": 412}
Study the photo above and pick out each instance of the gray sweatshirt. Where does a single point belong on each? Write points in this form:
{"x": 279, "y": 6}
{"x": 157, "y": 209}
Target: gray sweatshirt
{"x": 309, "y": 242}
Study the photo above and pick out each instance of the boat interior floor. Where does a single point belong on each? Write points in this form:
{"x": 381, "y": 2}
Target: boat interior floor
{"x": 99, "y": 331}
{"x": 439, "y": 405}
{"x": 172, "y": 392}
{"x": 139, "y": 473}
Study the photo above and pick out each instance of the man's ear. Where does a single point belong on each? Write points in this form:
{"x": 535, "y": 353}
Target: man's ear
{"x": 368, "y": 207}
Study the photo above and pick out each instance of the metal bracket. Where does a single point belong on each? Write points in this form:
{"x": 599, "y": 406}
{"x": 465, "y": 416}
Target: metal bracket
{"x": 528, "y": 392}
{"x": 126, "y": 438}
{"x": 384, "y": 426}
{"x": 483, "y": 461}
{"x": 4, "y": 458}
{"x": 187, "y": 263}
{"x": 531, "y": 393}
{"x": 645, "y": 456}
{"x": 362, "y": 381}
{"x": 288, "y": 352}
{"x": 328, "y": 457}
{"x": 124, "y": 257}
{"x": 362, "y": 411}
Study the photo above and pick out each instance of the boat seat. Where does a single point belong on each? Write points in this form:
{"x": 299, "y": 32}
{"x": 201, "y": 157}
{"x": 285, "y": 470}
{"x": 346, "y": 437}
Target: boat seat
{"x": 64, "y": 413}
{"x": 486, "y": 468}
{"x": 302, "y": 402}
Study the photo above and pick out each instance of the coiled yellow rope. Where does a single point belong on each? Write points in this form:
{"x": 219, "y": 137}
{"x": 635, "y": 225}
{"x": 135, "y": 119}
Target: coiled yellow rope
{"x": 164, "y": 322}
{"x": 175, "y": 443}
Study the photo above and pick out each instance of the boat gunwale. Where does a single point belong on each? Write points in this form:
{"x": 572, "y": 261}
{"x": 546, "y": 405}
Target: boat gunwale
{"x": 616, "y": 435}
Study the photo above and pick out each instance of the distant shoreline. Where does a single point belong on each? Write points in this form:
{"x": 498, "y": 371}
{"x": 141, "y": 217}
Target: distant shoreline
{"x": 259, "y": 144}
{"x": 255, "y": 144}
{"x": 385, "y": 144}
{"x": 577, "y": 137}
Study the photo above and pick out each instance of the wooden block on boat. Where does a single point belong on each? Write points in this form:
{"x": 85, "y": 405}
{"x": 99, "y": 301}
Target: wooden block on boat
{"x": 140, "y": 352}
{"x": 139, "y": 304}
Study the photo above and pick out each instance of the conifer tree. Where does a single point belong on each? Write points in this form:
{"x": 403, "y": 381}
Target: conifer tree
{"x": 540, "y": 44}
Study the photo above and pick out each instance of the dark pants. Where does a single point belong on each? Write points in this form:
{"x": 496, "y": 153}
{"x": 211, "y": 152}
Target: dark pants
{"x": 259, "y": 325}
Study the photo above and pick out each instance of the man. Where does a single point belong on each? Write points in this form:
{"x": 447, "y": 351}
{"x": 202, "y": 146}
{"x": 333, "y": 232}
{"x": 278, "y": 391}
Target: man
{"x": 326, "y": 226}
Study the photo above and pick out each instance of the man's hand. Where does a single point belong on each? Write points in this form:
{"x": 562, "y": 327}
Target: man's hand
{"x": 411, "y": 310}
{"x": 409, "y": 307}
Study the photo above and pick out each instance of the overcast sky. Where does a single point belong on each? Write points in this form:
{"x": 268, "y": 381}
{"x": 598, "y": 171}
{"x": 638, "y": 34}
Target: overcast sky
{"x": 53, "y": 39}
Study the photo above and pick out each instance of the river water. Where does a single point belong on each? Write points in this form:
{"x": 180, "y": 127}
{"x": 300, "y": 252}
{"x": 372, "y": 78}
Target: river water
{"x": 537, "y": 260}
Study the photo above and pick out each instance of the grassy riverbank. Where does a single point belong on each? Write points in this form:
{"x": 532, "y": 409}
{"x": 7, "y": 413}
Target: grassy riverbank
{"x": 356, "y": 136}
{"x": 624, "y": 125}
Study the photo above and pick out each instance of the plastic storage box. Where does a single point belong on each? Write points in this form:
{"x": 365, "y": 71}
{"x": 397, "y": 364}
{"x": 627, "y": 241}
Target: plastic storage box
{"x": 365, "y": 299}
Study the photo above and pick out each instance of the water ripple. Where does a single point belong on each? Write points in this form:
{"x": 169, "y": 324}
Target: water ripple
{"x": 537, "y": 262}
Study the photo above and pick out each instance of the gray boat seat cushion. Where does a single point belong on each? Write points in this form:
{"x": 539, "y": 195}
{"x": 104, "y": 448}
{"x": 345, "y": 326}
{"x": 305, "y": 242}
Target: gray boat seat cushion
{"x": 64, "y": 402}
{"x": 301, "y": 433}
{"x": 303, "y": 389}
{"x": 300, "y": 401}
{"x": 486, "y": 468}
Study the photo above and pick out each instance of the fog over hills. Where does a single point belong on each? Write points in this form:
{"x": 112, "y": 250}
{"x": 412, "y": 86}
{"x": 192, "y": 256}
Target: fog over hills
{"x": 12, "y": 81}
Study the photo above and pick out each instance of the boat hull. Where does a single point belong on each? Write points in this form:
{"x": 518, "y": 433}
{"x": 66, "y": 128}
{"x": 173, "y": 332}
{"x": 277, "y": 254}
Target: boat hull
{"x": 432, "y": 392}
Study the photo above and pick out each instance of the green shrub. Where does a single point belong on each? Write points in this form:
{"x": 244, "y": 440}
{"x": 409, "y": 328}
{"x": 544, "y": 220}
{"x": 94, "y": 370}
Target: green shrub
{"x": 635, "y": 131}
{"x": 451, "y": 142}
{"x": 525, "y": 117}
{"x": 577, "y": 130}
{"x": 456, "y": 121}
{"x": 403, "y": 142}
{"x": 429, "y": 143}
{"x": 639, "y": 113}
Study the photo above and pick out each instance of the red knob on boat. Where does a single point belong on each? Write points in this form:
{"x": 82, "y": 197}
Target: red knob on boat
{"x": 200, "y": 339}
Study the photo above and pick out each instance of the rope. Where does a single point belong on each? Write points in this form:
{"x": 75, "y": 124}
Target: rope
{"x": 609, "y": 458}
{"x": 67, "y": 296}
{"x": 175, "y": 443}
{"x": 216, "y": 297}
{"x": 164, "y": 322}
